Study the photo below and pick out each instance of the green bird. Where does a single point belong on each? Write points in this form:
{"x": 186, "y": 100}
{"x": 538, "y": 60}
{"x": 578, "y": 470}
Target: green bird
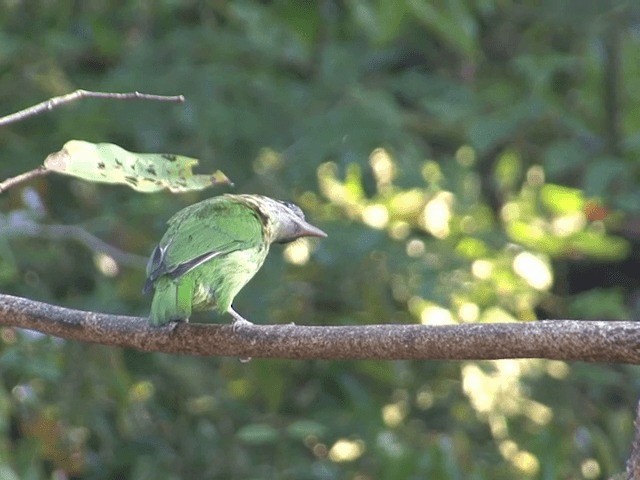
{"x": 213, "y": 248}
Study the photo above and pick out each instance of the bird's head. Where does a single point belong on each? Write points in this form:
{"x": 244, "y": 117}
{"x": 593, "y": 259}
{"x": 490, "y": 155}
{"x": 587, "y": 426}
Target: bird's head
{"x": 286, "y": 220}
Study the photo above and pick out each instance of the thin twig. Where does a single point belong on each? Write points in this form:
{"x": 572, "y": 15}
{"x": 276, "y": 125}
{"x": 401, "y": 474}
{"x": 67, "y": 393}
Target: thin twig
{"x": 23, "y": 177}
{"x": 95, "y": 244}
{"x": 64, "y": 99}
{"x": 569, "y": 340}
{"x": 18, "y": 226}
{"x": 79, "y": 94}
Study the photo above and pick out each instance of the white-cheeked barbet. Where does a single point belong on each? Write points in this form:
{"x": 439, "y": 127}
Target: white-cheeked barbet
{"x": 213, "y": 248}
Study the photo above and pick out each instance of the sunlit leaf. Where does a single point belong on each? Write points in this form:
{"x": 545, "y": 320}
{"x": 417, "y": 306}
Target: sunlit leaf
{"x": 535, "y": 237}
{"x": 508, "y": 169}
{"x": 596, "y": 245}
{"x": 470, "y": 247}
{"x": 560, "y": 199}
{"x": 145, "y": 172}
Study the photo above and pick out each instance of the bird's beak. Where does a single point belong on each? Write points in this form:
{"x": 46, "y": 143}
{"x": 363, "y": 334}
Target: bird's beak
{"x": 309, "y": 230}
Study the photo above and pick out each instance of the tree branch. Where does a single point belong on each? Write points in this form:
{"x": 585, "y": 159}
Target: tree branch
{"x": 21, "y": 226}
{"x": 23, "y": 177}
{"x": 571, "y": 340}
{"x": 79, "y": 94}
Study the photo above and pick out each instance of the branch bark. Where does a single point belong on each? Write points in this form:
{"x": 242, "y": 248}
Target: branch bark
{"x": 23, "y": 177}
{"x": 79, "y": 94}
{"x": 570, "y": 340}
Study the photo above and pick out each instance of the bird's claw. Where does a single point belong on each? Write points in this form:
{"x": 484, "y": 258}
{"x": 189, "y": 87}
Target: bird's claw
{"x": 240, "y": 323}
{"x": 238, "y": 320}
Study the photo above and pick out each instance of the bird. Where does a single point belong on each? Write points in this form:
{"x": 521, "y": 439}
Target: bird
{"x": 211, "y": 250}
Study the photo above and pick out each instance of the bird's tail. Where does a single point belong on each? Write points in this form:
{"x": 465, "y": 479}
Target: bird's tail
{"x": 172, "y": 300}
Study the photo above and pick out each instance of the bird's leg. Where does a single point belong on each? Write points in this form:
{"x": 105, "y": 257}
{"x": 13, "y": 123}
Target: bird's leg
{"x": 238, "y": 320}
{"x": 174, "y": 323}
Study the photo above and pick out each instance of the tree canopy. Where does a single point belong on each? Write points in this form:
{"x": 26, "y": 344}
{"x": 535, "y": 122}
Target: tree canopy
{"x": 472, "y": 162}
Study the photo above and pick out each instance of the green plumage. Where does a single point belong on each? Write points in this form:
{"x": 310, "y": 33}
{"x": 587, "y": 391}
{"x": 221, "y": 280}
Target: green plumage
{"x": 213, "y": 248}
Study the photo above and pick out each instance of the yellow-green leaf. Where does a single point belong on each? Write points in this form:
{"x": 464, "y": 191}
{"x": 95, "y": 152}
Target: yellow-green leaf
{"x": 145, "y": 172}
{"x": 560, "y": 199}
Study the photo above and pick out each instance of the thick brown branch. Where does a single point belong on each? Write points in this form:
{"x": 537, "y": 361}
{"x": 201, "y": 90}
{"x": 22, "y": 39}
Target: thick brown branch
{"x": 572, "y": 340}
{"x": 78, "y": 94}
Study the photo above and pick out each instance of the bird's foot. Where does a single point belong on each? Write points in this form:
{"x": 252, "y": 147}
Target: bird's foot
{"x": 173, "y": 324}
{"x": 238, "y": 320}
{"x": 240, "y": 323}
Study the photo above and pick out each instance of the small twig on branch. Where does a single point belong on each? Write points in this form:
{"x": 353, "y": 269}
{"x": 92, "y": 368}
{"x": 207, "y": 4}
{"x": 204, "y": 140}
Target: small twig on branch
{"x": 79, "y": 94}
{"x": 93, "y": 243}
{"x": 23, "y": 177}
{"x": 569, "y": 340}
{"x": 61, "y": 100}
{"x": 17, "y": 226}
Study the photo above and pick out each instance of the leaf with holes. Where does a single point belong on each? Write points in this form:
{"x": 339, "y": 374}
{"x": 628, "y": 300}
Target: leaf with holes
{"x": 145, "y": 172}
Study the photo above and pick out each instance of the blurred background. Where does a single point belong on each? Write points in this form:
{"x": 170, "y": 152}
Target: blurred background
{"x": 472, "y": 161}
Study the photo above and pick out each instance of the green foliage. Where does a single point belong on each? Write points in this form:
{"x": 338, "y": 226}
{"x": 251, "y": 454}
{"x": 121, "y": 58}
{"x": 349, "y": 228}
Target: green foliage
{"x": 470, "y": 161}
{"x": 145, "y": 172}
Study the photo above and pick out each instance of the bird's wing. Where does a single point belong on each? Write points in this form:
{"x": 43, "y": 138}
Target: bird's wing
{"x": 200, "y": 232}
